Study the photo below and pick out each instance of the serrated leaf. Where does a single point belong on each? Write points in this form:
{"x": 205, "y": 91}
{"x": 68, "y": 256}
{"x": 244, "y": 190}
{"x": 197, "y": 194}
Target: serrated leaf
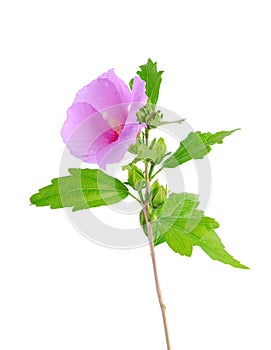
{"x": 183, "y": 226}
{"x": 169, "y": 224}
{"x": 84, "y": 188}
{"x": 195, "y": 146}
{"x": 208, "y": 240}
{"x": 149, "y": 73}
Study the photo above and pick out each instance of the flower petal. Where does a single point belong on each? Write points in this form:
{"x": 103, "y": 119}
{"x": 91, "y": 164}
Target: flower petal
{"x": 139, "y": 99}
{"x": 138, "y": 91}
{"x": 102, "y": 94}
{"x": 122, "y": 88}
{"x": 85, "y": 131}
{"x": 99, "y": 128}
{"x": 114, "y": 152}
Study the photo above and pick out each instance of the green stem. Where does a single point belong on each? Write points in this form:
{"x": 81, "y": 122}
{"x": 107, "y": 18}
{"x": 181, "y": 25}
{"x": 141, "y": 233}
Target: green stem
{"x": 157, "y": 172}
{"x": 141, "y": 196}
{"x": 134, "y": 197}
{"x": 151, "y": 170}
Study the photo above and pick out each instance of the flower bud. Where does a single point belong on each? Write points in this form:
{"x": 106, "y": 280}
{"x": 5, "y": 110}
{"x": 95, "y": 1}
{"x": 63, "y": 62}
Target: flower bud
{"x": 149, "y": 115}
{"x": 136, "y": 177}
{"x": 160, "y": 150}
{"x": 158, "y": 194}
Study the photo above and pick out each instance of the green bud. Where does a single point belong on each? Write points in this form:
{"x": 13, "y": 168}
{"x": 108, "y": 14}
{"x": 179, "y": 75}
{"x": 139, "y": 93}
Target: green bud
{"x": 160, "y": 149}
{"x": 158, "y": 194}
{"x": 136, "y": 177}
{"x": 154, "y": 153}
{"x": 149, "y": 115}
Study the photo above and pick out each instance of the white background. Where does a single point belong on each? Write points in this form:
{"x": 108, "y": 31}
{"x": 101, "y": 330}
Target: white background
{"x": 59, "y": 290}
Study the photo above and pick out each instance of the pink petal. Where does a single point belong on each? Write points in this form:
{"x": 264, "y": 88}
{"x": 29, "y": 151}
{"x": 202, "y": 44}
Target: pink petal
{"x": 99, "y": 127}
{"x": 138, "y": 91}
{"x": 103, "y": 94}
{"x": 114, "y": 152}
{"x": 85, "y": 131}
{"x": 121, "y": 87}
{"x": 139, "y": 99}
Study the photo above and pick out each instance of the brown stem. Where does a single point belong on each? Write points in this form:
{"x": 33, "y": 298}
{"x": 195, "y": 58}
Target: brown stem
{"x": 158, "y": 289}
{"x": 150, "y": 237}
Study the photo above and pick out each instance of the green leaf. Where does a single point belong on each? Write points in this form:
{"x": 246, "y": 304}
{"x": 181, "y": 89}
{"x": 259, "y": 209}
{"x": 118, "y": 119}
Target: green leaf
{"x": 183, "y": 226}
{"x": 131, "y": 83}
{"x": 84, "y": 188}
{"x": 152, "y": 77}
{"x": 169, "y": 221}
{"x": 195, "y": 146}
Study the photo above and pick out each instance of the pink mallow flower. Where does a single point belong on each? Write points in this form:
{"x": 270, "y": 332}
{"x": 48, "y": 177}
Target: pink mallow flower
{"x": 101, "y": 124}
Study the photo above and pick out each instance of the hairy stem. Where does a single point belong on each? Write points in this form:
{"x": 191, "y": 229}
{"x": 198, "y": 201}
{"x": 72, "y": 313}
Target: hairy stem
{"x": 150, "y": 237}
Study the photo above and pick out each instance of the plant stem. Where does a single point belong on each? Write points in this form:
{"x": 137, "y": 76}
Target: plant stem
{"x": 157, "y": 172}
{"x": 130, "y": 194}
{"x": 157, "y": 284}
{"x": 141, "y": 197}
{"x": 150, "y": 237}
{"x": 151, "y": 170}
